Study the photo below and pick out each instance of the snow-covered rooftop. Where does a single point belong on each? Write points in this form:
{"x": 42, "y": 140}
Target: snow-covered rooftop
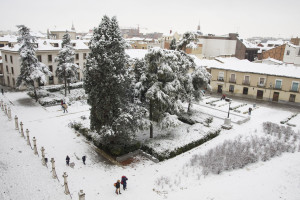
{"x": 48, "y": 45}
{"x": 8, "y": 38}
{"x": 235, "y": 64}
{"x": 273, "y": 60}
{"x": 249, "y": 44}
{"x": 136, "y": 53}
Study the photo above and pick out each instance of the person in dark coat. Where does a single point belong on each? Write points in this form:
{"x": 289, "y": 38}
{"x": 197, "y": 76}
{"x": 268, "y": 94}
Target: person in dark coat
{"x": 83, "y": 159}
{"x": 2, "y": 91}
{"x": 67, "y": 160}
{"x": 249, "y": 112}
{"x": 117, "y": 185}
{"x": 123, "y": 182}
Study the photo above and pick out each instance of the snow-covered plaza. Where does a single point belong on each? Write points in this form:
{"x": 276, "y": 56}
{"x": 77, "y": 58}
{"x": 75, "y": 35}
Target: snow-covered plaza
{"x": 22, "y": 175}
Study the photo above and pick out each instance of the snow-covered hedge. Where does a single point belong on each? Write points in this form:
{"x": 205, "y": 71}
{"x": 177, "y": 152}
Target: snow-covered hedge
{"x": 56, "y": 88}
{"x": 243, "y": 151}
{"x": 167, "y": 155}
{"x": 289, "y": 118}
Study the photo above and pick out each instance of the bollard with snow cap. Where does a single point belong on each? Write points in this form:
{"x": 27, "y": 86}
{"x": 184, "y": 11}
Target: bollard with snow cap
{"x": 16, "y": 122}
{"x": 54, "y": 175}
{"x": 9, "y": 113}
{"x": 27, "y": 135}
{"x": 22, "y": 131}
{"x": 5, "y": 108}
{"x": 81, "y": 195}
{"x": 34, "y": 146}
{"x": 66, "y": 183}
{"x": 43, "y": 156}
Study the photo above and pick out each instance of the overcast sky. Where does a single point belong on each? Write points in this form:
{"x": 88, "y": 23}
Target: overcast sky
{"x": 274, "y": 18}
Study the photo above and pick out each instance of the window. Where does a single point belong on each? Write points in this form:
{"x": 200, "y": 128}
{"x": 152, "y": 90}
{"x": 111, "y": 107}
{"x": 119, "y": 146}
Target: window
{"x": 278, "y": 84}
{"x": 1, "y": 45}
{"x": 39, "y": 57}
{"x": 13, "y": 82}
{"x": 11, "y": 59}
{"x": 262, "y": 81}
{"x": 288, "y": 52}
{"x": 12, "y": 70}
{"x": 8, "y": 81}
{"x": 49, "y": 58}
{"x": 295, "y": 86}
{"x": 84, "y": 55}
{"x": 221, "y": 76}
{"x": 55, "y": 44}
{"x": 247, "y": 80}
{"x": 7, "y": 69}
{"x": 245, "y": 90}
{"x": 50, "y": 68}
{"x": 51, "y": 81}
{"x": 299, "y": 52}
{"x": 232, "y": 78}
{"x": 5, "y": 58}
{"x": 231, "y": 88}
{"x": 292, "y": 98}
{"x": 77, "y": 56}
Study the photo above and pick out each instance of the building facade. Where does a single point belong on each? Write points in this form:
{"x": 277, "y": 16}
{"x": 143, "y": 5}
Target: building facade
{"x": 46, "y": 53}
{"x": 277, "y": 83}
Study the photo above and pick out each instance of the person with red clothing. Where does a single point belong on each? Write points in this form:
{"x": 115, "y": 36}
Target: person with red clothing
{"x": 123, "y": 182}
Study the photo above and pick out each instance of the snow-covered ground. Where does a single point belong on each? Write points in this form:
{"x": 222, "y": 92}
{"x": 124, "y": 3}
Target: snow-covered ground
{"x": 22, "y": 175}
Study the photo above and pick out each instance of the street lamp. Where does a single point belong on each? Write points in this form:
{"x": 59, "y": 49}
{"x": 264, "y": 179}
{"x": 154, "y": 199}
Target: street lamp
{"x": 229, "y": 108}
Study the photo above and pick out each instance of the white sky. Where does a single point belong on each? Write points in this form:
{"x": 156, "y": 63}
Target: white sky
{"x": 275, "y": 18}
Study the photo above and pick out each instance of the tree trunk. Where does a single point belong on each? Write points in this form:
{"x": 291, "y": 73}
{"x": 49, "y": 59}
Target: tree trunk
{"x": 65, "y": 86}
{"x": 150, "y": 117}
{"x": 35, "y": 94}
{"x": 69, "y": 87}
{"x": 189, "y": 107}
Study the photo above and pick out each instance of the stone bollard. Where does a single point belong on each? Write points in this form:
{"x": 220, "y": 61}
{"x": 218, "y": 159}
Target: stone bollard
{"x": 16, "y": 122}
{"x": 34, "y": 146}
{"x": 66, "y": 183}
{"x": 54, "y": 175}
{"x": 5, "y": 108}
{"x": 43, "y": 156}
{"x": 27, "y": 135}
{"x": 9, "y": 113}
{"x": 1, "y": 103}
{"x": 22, "y": 131}
{"x": 81, "y": 195}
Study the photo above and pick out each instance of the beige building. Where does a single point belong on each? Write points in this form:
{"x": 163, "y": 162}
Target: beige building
{"x": 277, "y": 83}
{"x": 47, "y": 51}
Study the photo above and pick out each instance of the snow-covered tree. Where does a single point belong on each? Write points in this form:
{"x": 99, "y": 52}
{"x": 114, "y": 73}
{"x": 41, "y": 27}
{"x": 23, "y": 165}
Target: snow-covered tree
{"x": 66, "y": 68}
{"x": 160, "y": 84}
{"x": 31, "y": 70}
{"x": 173, "y": 44}
{"x": 107, "y": 82}
{"x": 188, "y": 40}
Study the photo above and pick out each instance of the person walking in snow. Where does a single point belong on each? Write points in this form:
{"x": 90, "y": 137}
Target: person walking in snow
{"x": 65, "y": 107}
{"x": 124, "y": 182}
{"x": 250, "y": 109}
{"x": 117, "y": 185}
{"x": 2, "y": 91}
{"x": 83, "y": 159}
{"x": 67, "y": 160}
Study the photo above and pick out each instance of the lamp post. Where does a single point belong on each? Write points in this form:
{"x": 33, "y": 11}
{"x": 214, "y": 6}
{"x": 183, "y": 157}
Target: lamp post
{"x": 229, "y": 108}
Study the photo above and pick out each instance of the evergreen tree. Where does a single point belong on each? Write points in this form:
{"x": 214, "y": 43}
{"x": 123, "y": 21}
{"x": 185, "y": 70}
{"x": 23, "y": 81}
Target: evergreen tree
{"x": 107, "y": 83}
{"x": 31, "y": 70}
{"x": 173, "y": 44}
{"x": 161, "y": 85}
{"x": 66, "y": 68}
{"x": 187, "y": 41}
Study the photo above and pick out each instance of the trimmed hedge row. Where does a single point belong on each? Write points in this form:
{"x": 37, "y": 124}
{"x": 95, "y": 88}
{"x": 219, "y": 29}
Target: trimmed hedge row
{"x": 180, "y": 150}
{"x": 114, "y": 150}
{"x": 56, "y": 88}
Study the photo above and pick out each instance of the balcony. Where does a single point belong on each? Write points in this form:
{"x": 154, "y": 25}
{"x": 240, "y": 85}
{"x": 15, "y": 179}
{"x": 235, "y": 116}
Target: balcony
{"x": 232, "y": 80}
{"x": 246, "y": 82}
{"x": 294, "y": 90}
{"x": 220, "y": 78}
{"x": 277, "y": 88}
{"x": 261, "y": 85}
